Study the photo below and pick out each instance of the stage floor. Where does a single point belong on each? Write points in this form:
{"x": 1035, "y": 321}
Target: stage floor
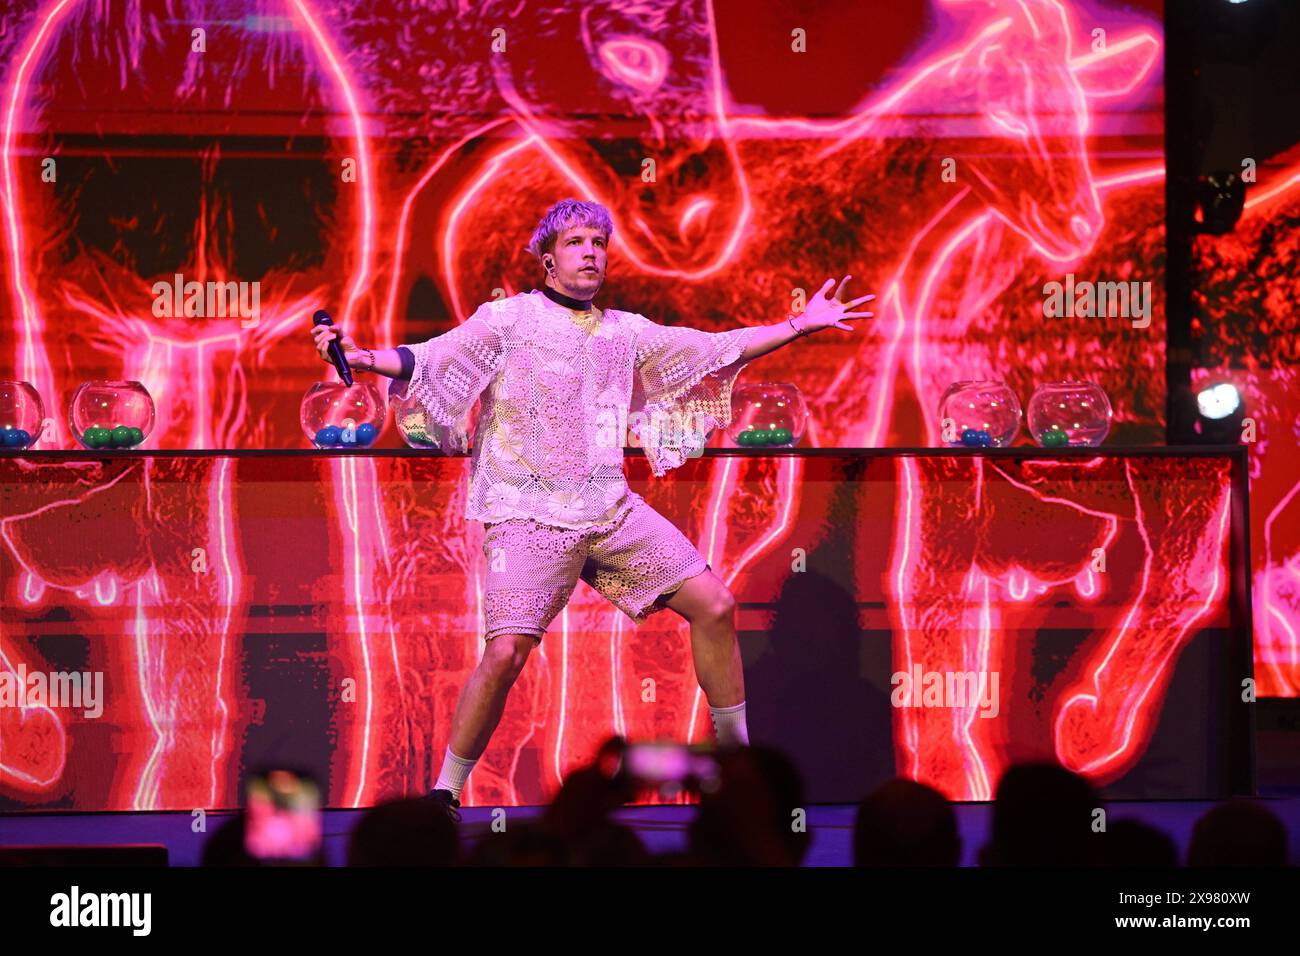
{"x": 661, "y": 828}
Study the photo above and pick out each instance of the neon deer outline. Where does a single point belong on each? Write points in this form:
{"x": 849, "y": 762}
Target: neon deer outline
{"x": 945, "y": 570}
{"x": 953, "y": 217}
{"x": 685, "y": 225}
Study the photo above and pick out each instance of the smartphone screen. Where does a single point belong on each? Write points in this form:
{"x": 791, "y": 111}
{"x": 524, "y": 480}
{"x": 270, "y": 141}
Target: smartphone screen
{"x": 282, "y": 817}
{"x": 668, "y": 763}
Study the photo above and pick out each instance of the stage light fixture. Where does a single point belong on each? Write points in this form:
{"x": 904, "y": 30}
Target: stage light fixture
{"x": 1219, "y": 414}
{"x": 1218, "y": 401}
{"x": 1220, "y": 198}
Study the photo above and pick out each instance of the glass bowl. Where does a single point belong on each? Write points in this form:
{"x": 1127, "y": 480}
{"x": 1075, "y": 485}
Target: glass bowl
{"x": 1073, "y": 413}
{"x": 419, "y": 430}
{"x": 767, "y": 415}
{"x": 22, "y": 416}
{"x": 106, "y": 415}
{"x": 334, "y": 415}
{"x": 983, "y": 413}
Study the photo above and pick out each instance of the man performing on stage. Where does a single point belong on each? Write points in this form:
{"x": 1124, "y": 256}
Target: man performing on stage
{"x": 559, "y": 379}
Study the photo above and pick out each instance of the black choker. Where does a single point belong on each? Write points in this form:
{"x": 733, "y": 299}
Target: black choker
{"x": 569, "y": 303}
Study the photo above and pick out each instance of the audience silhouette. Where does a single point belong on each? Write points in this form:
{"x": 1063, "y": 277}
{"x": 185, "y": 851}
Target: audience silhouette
{"x": 751, "y": 812}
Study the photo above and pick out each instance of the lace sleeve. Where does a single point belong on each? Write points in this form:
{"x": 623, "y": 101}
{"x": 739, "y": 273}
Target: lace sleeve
{"x": 684, "y": 378}
{"x": 452, "y": 369}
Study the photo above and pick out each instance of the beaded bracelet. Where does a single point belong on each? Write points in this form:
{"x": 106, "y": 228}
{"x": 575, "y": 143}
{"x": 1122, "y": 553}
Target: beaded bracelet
{"x": 797, "y": 331}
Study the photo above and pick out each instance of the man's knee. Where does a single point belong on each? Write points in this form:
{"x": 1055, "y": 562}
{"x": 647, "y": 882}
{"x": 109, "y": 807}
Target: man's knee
{"x": 506, "y": 654}
{"x": 721, "y": 605}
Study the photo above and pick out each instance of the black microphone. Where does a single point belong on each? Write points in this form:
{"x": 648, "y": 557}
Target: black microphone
{"x": 335, "y": 350}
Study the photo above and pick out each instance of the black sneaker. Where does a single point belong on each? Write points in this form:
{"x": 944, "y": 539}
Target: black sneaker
{"x": 449, "y": 804}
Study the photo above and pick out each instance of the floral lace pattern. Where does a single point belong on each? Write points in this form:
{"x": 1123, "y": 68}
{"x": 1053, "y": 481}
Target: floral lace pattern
{"x": 686, "y": 377}
{"x": 634, "y": 561}
{"x": 558, "y": 392}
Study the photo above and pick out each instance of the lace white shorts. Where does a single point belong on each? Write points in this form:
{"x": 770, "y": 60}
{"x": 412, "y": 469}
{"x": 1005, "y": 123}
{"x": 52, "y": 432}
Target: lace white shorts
{"x": 635, "y": 561}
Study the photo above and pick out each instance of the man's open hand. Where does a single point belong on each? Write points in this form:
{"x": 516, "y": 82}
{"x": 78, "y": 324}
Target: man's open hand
{"x": 825, "y": 310}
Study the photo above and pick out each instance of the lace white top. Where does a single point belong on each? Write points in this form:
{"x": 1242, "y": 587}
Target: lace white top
{"x": 559, "y": 393}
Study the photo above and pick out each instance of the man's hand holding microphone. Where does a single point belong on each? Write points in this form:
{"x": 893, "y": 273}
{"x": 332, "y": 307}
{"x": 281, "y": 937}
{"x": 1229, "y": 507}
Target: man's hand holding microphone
{"x": 337, "y": 348}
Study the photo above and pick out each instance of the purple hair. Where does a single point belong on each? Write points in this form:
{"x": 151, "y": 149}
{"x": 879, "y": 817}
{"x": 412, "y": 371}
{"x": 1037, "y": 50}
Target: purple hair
{"x": 568, "y": 214}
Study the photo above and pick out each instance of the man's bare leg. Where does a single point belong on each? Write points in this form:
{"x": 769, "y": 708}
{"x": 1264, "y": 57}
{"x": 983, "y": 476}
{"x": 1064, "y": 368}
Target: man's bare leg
{"x": 710, "y": 608}
{"x": 479, "y": 708}
{"x": 482, "y": 700}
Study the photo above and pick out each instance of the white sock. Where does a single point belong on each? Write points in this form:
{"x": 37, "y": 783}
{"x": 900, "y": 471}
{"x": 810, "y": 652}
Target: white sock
{"x": 729, "y": 725}
{"x": 455, "y": 771}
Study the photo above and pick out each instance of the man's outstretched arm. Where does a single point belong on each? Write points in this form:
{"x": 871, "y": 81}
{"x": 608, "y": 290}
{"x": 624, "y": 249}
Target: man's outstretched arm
{"x": 823, "y": 311}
